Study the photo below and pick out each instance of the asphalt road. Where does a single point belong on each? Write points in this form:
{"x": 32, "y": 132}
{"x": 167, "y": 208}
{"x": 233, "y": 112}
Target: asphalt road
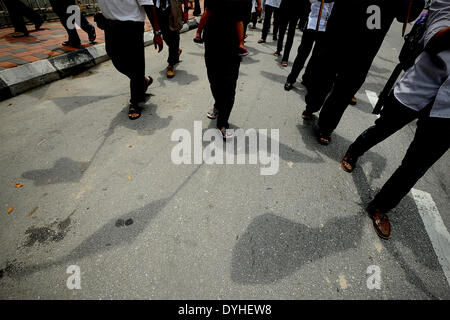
{"x": 203, "y": 231}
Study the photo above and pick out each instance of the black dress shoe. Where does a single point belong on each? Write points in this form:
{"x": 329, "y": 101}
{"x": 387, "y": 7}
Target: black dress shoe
{"x": 71, "y": 44}
{"x": 288, "y": 86}
{"x": 38, "y": 25}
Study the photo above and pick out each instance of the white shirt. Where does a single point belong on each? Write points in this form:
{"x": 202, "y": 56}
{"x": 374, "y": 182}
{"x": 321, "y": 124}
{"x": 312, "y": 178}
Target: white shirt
{"x": 314, "y": 15}
{"x": 273, "y": 3}
{"x": 429, "y": 79}
{"x": 158, "y": 4}
{"x": 124, "y": 10}
{"x": 254, "y": 4}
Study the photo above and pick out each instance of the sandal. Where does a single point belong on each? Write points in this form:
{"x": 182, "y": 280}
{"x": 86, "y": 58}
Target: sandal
{"x": 277, "y": 54}
{"x": 148, "y": 83}
{"x": 212, "y": 114}
{"x": 261, "y": 41}
{"x": 134, "y": 112}
{"x": 284, "y": 63}
{"x": 324, "y": 139}
{"x": 226, "y": 133}
{"x": 348, "y": 163}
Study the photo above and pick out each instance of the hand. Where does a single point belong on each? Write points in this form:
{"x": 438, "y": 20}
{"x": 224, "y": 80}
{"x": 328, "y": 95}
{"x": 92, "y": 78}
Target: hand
{"x": 158, "y": 43}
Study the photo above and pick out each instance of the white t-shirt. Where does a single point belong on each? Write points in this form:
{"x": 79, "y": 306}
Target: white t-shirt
{"x": 273, "y": 3}
{"x": 254, "y": 4}
{"x": 428, "y": 81}
{"x": 124, "y": 10}
{"x": 158, "y": 4}
{"x": 314, "y": 15}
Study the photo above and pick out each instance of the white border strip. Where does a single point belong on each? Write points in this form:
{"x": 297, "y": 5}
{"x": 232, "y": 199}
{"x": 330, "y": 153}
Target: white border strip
{"x": 438, "y": 233}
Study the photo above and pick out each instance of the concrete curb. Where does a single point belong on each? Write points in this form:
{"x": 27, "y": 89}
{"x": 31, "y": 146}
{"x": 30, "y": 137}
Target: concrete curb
{"x": 20, "y": 79}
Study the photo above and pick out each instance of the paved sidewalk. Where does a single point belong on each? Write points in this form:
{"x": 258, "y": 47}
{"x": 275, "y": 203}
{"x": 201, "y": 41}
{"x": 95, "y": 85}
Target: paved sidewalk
{"x": 43, "y": 44}
{"x": 30, "y": 62}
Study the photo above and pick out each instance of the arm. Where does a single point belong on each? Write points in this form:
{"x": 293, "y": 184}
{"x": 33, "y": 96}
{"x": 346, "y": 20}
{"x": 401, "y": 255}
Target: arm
{"x": 203, "y": 22}
{"x": 151, "y": 14}
{"x": 186, "y": 10}
{"x": 439, "y": 42}
{"x": 240, "y": 32}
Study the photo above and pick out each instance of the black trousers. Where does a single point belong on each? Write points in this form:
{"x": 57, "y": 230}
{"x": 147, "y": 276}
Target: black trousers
{"x": 335, "y": 78}
{"x": 309, "y": 37}
{"x": 125, "y": 46}
{"x": 431, "y": 141}
{"x": 222, "y": 66}
{"x": 268, "y": 12}
{"x": 197, "y": 8}
{"x": 17, "y": 11}
{"x": 171, "y": 38}
{"x": 60, "y": 8}
{"x": 288, "y": 22}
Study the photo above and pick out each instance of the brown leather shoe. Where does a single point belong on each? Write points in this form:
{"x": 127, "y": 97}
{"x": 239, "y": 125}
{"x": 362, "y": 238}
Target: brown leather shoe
{"x": 381, "y": 222}
{"x": 349, "y": 162}
{"x": 170, "y": 72}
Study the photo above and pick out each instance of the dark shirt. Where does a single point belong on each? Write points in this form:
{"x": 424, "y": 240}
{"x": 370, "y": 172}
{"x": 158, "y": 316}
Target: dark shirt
{"x": 220, "y": 30}
{"x": 348, "y": 22}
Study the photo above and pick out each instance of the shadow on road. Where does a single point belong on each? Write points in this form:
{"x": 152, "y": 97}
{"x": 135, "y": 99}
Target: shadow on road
{"x": 64, "y": 170}
{"x": 273, "y": 247}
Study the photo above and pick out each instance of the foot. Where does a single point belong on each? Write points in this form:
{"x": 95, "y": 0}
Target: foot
{"x": 324, "y": 139}
{"x": 253, "y": 27}
{"x": 261, "y": 41}
{"x": 148, "y": 83}
{"x": 284, "y": 63}
{"x": 71, "y": 44}
{"x": 349, "y": 162}
{"x": 353, "y": 101}
{"x": 19, "y": 34}
{"x": 134, "y": 112}
{"x": 227, "y": 133}
{"x": 277, "y": 53}
{"x": 170, "y": 72}
{"x": 306, "y": 115}
{"x": 92, "y": 35}
{"x": 288, "y": 86}
{"x": 38, "y": 25}
{"x": 212, "y": 114}
{"x": 380, "y": 222}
